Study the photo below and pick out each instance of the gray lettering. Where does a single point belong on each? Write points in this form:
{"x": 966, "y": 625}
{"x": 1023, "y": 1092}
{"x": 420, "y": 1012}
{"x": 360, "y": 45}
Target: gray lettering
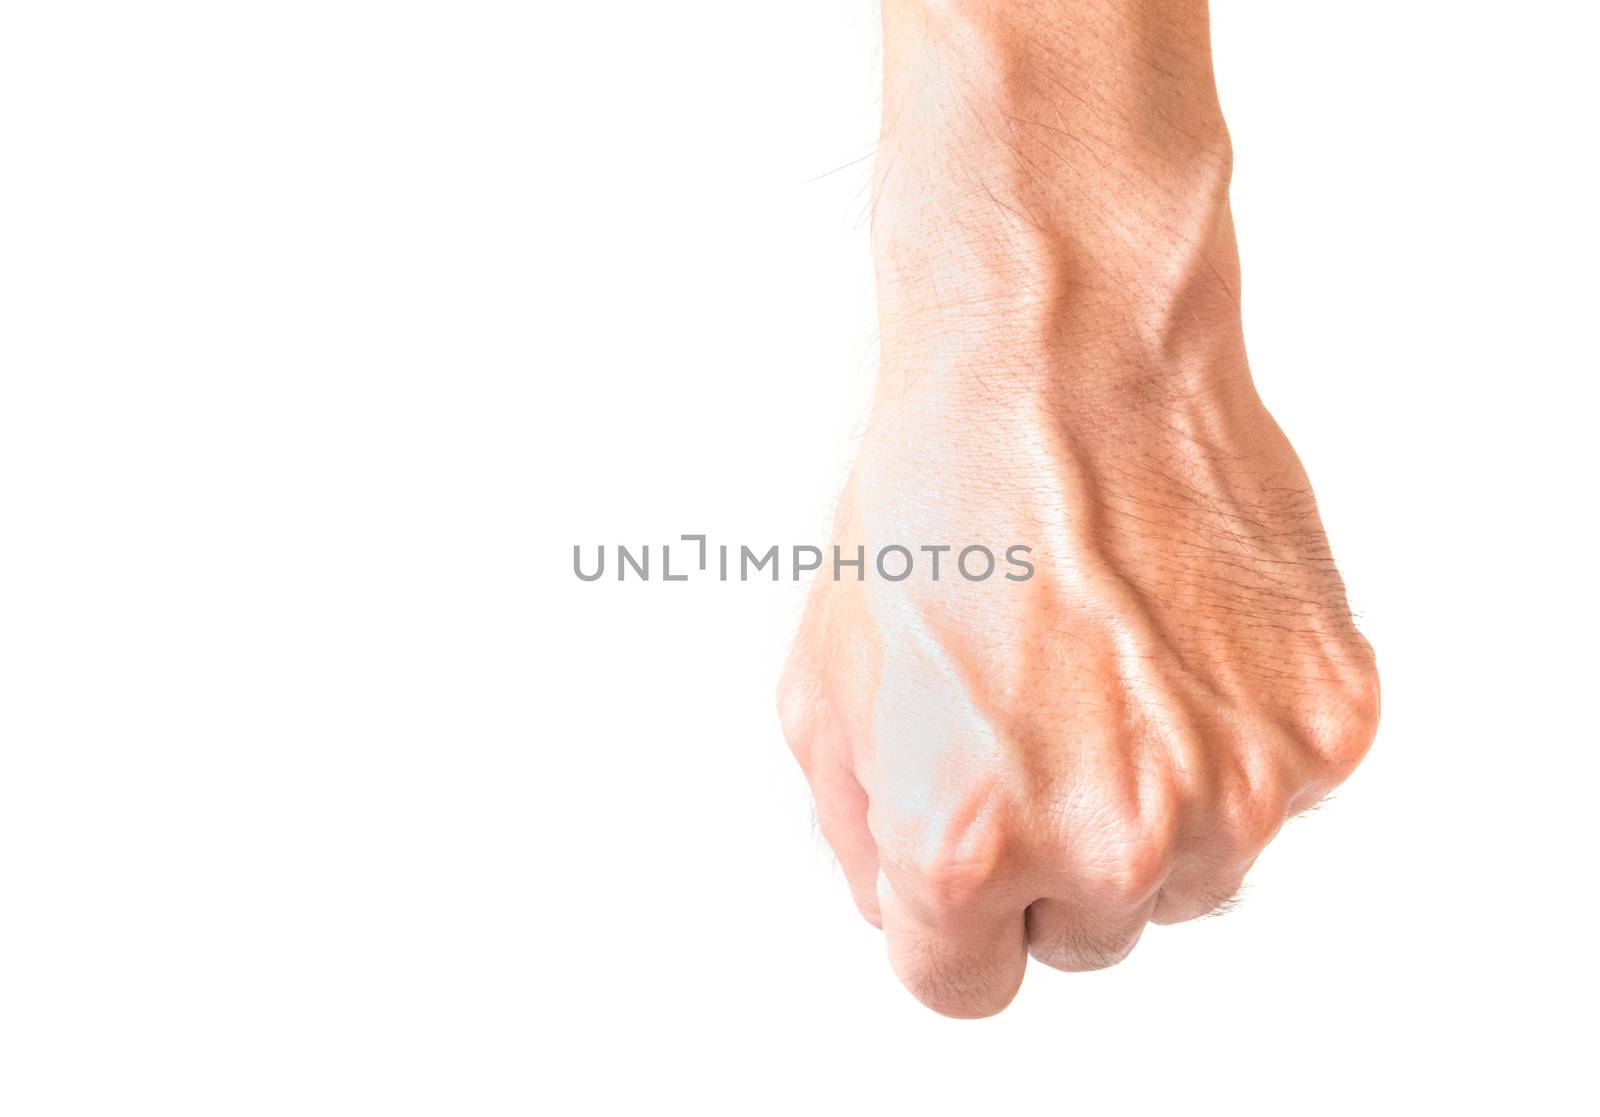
{"x": 746, "y": 554}
{"x": 702, "y": 541}
{"x": 859, "y": 562}
{"x": 577, "y": 567}
{"x": 666, "y": 567}
{"x": 807, "y": 567}
{"x": 961, "y": 562}
{"x": 623, "y": 557}
{"x": 904, "y": 574}
{"x": 1011, "y": 557}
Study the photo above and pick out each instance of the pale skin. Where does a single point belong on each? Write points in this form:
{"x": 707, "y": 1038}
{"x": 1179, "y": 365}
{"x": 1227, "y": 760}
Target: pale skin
{"x": 1044, "y": 767}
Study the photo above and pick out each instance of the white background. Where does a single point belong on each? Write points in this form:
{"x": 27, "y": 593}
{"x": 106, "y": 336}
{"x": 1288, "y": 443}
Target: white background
{"x": 327, "y": 329}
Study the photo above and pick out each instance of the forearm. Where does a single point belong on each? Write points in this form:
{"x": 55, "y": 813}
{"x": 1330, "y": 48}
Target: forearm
{"x": 1048, "y": 166}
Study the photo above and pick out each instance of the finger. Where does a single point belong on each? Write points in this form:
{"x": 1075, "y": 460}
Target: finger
{"x": 817, "y": 738}
{"x": 1199, "y": 887}
{"x": 842, "y": 817}
{"x": 965, "y": 964}
{"x": 1073, "y": 937}
{"x": 1224, "y": 842}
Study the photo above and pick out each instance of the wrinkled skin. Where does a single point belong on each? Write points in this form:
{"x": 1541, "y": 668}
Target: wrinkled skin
{"x": 1045, "y": 766}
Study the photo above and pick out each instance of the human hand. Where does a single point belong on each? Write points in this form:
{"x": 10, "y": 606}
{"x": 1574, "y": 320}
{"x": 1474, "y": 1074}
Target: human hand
{"x": 1044, "y": 766}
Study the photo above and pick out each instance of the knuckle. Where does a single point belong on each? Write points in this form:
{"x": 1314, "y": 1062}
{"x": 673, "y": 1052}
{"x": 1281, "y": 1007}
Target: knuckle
{"x": 954, "y": 881}
{"x": 866, "y": 901}
{"x": 1135, "y": 868}
{"x": 1251, "y": 820}
{"x": 956, "y": 872}
{"x": 1345, "y": 719}
{"x": 1253, "y": 804}
{"x": 798, "y": 699}
{"x": 954, "y": 864}
{"x": 1132, "y": 853}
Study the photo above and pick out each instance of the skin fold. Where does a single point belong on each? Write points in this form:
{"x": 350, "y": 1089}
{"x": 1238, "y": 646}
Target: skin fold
{"x": 1045, "y": 766}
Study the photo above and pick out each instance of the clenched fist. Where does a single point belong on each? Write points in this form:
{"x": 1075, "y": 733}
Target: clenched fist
{"x": 1041, "y": 766}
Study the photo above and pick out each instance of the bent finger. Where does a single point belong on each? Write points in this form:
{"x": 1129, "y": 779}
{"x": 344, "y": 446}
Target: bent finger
{"x": 1197, "y": 888}
{"x": 817, "y": 738}
{"x": 966, "y": 965}
{"x": 1069, "y": 936}
{"x": 842, "y": 818}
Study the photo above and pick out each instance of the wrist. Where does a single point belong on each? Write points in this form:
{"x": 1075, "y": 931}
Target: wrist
{"x": 1045, "y": 195}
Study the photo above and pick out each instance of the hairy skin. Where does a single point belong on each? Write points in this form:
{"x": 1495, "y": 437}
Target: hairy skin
{"x": 1043, "y": 767}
